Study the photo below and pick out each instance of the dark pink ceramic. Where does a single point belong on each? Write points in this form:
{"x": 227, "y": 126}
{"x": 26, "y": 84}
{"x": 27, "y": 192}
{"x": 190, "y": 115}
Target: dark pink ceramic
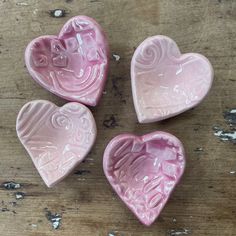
{"x": 144, "y": 171}
{"x": 72, "y": 65}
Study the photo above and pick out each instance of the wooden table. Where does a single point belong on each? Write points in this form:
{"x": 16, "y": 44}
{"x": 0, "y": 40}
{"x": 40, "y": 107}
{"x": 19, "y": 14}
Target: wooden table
{"x": 205, "y": 201}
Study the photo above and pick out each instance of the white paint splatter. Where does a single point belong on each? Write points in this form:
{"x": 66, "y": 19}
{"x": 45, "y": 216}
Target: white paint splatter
{"x": 233, "y": 111}
{"x": 116, "y": 57}
{"x": 113, "y": 233}
{"x": 55, "y": 219}
{"x": 226, "y": 135}
{"x": 198, "y": 149}
{"x": 81, "y": 179}
{"x": 179, "y": 232}
{"x": 22, "y": 4}
{"x": 19, "y": 195}
{"x": 11, "y": 185}
{"x": 35, "y": 12}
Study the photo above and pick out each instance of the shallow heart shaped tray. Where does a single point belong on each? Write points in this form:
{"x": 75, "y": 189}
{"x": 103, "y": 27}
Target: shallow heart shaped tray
{"x": 72, "y": 65}
{"x": 165, "y": 82}
{"x": 144, "y": 171}
{"x": 56, "y": 138}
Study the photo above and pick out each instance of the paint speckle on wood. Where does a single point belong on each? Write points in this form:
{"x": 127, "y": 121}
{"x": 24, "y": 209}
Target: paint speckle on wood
{"x": 115, "y": 233}
{"x": 13, "y": 203}
{"x": 198, "y": 149}
{"x": 54, "y": 218}
{"x": 4, "y": 209}
{"x": 230, "y": 116}
{"x": 225, "y": 135}
{"x": 19, "y": 195}
{"x": 10, "y": 185}
{"x": 57, "y": 13}
{"x": 176, "y": 232}
{"x": 116, "y": 57}
{"x": 22, "y": 4}
{"x": 111, "y": 234}
{"x": 230, "y": 133}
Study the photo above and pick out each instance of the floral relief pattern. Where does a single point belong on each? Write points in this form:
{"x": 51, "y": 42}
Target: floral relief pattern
{"x": 57, "y": 138}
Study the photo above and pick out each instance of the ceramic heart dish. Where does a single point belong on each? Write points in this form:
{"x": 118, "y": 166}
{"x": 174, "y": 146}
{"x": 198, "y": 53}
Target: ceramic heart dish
{"x": 144, "y": 171}
{"x": 72, "y": 65}
{"x": 56, "y": 138}
{"x": 165, "y": 82}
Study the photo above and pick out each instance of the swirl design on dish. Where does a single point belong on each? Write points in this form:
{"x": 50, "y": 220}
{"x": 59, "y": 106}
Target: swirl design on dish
{"x": 150, "y": 55}
{"x": 61, "y": 121}
{"x": 166, "y": 82}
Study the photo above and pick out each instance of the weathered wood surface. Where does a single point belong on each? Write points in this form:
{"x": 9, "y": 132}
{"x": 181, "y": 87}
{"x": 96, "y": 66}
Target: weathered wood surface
{"x": 205, "y": 201}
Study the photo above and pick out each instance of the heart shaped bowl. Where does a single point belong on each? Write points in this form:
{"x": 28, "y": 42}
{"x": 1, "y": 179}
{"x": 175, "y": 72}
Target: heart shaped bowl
{"x": 144, "y": 171}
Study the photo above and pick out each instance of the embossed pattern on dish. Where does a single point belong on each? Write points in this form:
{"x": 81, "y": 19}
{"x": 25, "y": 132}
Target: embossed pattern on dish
{"x": 56, "y": 138}
{"x": 144, "y": 171}
{"x": 166, "y": 82}
{"x": 73, "y": 65}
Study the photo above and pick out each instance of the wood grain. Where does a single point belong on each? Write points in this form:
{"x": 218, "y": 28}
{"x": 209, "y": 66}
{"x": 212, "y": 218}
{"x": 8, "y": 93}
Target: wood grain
{"x": 205, "y": 201}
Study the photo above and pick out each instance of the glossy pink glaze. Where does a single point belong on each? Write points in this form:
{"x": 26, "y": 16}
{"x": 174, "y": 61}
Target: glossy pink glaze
{"x": 165, "y": 82}
{"x": 56, "y": 138}
{"x": 72, "y": 65}
{"x": 144, "y": 171}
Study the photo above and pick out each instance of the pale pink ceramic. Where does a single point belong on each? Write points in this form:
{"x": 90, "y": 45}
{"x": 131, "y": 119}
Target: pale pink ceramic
{"x": 72, "y": 65}
{"x": 166, "y": 82}
{"x": 144, "y": 171}
{"x": 56, "y": 138}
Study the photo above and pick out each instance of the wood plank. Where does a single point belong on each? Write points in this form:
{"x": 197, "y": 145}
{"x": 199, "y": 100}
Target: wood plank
{"x": 205, "y": 201}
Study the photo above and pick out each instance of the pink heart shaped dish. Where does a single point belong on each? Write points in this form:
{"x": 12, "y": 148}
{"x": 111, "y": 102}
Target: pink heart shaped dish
{"x": 144, "y": 171}
{"x": 72, "y": 65}
{"x": 165, "y": 82}
{"x": 56, "y": 138}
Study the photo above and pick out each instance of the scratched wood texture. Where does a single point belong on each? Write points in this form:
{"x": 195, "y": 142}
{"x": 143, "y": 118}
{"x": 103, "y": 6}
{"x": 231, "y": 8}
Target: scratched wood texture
{"x": 205, "y": 201}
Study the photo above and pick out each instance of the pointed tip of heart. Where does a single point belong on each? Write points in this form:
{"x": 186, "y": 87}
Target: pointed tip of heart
{"x": 49, "y": 184}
